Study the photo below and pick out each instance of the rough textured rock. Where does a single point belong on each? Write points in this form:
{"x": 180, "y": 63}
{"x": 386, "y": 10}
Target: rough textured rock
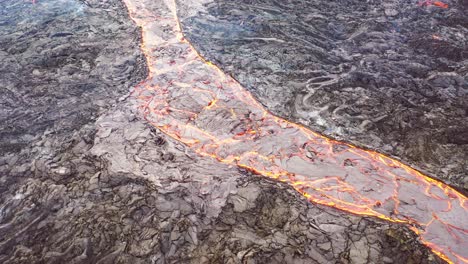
{"x": 62, "y": 64}
{"x": 84, "y": 179}
{"x": 386, "y": 75}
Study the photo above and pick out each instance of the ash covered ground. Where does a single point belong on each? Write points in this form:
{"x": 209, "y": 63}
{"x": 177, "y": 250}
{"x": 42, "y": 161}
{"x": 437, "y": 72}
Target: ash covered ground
{"x": 385, "y": 75}
{"x": 84, "y": 179}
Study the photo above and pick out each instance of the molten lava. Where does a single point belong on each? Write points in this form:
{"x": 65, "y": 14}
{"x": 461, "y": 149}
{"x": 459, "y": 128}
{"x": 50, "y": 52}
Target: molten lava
{"x": 436, "y": 3}
{"x": 193, "y": 101}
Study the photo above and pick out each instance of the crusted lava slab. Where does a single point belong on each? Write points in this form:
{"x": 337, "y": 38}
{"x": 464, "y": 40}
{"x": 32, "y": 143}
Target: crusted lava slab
{"x": 386, "y": 75}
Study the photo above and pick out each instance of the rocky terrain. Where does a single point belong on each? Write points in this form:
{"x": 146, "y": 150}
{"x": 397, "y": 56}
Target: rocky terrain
{"x": 386, "y": 75}
{"x": 85, "y": 179}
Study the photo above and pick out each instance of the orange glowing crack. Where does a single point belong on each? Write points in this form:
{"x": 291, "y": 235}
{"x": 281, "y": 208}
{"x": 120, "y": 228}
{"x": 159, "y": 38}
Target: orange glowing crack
{"x": 193, "y": 101}
{"x": 435, "y": 3}
{"x": 440, "y": 4}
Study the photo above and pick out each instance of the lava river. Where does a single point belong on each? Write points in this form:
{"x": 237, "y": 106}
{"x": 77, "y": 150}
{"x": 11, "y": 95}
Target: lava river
{"x": 193, "y": 101}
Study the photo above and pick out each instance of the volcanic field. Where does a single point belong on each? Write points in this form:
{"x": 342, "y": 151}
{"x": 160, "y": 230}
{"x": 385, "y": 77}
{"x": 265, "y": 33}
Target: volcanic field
{"x": 212, "y": 131}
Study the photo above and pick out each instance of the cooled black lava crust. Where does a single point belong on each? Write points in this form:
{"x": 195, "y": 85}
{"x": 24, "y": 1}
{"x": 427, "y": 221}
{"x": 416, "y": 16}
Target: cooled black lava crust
{"x": 61, "y": 64}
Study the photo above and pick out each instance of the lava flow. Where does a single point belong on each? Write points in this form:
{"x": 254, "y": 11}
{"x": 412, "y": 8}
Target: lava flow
{"x": 193, "y": 101}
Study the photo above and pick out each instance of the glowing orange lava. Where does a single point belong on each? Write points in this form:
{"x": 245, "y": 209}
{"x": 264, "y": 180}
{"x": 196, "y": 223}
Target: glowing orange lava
{"x": 440, "y": 4}
{"x": 193, "y": 101}
{"x": 436, "y": 3}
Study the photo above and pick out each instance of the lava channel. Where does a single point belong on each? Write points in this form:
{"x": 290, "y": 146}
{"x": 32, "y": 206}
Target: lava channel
{"x": 193, "y": 101}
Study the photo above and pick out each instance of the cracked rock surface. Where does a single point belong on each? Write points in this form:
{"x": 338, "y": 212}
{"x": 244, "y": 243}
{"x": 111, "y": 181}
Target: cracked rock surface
{"x": 84, "y": 179}
{"x": 385, "y": 75}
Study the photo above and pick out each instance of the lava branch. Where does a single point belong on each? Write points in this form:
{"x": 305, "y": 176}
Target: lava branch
{"x": 195, "y": 102}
